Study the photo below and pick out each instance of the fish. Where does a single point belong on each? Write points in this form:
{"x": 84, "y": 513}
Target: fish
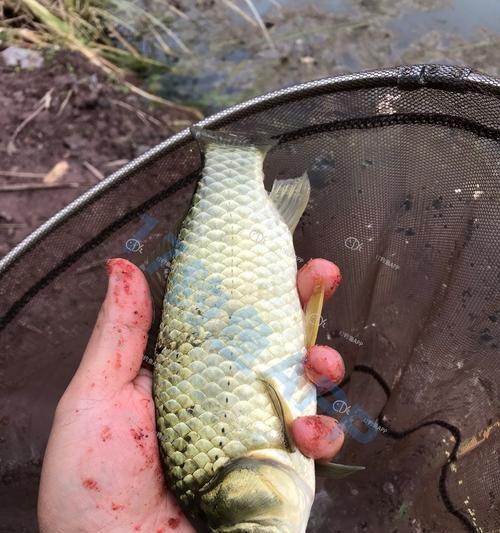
{"x": 228, "y": 374}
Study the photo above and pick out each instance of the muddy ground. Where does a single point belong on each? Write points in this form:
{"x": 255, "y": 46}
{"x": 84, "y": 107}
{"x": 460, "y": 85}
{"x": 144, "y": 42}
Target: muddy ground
{"x": 88, "y": 122}
{"x": 96, "y": 126}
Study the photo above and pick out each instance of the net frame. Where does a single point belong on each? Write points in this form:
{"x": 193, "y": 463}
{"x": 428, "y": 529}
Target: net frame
{"x": 451, "y": 78}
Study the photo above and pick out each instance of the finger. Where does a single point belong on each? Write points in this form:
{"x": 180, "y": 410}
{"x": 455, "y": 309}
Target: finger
{"x": 317, "y": 436}
{"x": 324, "y": 366}
{"x": 115, "y": 350}
{"x": 315, "y": 271}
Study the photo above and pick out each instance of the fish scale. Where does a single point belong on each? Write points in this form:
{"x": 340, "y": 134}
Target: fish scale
{"x": 231, "y": 317}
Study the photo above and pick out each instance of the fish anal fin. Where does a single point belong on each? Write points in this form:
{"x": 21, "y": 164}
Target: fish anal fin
{"x": 291, "y": 198}
{"x": 282, "y": 411}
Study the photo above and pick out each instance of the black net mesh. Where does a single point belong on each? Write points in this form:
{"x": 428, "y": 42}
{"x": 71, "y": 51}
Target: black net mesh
{"x": 405, "y": 173}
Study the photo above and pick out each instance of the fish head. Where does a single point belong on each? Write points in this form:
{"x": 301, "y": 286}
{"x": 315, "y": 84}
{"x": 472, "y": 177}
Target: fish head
{"x": 256, "y": 495}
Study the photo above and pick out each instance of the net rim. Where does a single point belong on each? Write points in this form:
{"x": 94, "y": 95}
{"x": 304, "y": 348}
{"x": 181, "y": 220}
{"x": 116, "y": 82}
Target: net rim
{"x": 411, "y": 77}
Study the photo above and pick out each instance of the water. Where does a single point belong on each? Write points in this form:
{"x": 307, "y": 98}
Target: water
{"x": 231, "y": 60}
{"x": 463, "y": 17}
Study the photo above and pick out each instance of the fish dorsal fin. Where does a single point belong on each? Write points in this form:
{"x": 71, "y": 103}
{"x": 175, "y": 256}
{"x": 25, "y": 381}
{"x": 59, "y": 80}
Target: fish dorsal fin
{"x": 335, "y": 470}
{"x": 291, "y": 198}
{"x": 282, "y": 411}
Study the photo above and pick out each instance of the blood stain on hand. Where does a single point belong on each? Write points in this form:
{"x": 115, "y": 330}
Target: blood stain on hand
{"x": 174, "y": 522}
{"x": 137, "y": 435}
{"x": 106, "y": 433}
{"x": 91, "y": 484}
{"x": 117, "y": 506}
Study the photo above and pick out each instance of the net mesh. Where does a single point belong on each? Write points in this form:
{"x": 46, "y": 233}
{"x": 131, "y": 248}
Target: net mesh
{"x": 405, "y": 173}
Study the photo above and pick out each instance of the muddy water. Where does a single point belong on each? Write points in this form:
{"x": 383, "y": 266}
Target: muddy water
{"x": 230, "y": 60}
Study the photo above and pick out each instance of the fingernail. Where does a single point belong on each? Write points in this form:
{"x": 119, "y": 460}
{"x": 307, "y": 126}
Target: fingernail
{"x": 122, "y": 268}
{"x": 324, "y": 367}
{"x": 318, "y": 271}
{"x": 318, "y": 436}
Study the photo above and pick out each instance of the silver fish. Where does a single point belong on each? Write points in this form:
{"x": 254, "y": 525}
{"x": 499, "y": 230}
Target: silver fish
{"x": 228, "y": 375}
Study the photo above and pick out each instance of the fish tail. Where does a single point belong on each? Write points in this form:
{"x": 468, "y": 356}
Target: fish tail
{"x": 255, "y": 141}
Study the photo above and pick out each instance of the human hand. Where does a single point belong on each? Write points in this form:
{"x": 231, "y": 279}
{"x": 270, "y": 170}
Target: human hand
{"x": 102, "y": 468}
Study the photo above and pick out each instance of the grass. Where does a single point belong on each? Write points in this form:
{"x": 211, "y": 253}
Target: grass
{"x": 97, "y": 29}
{"x": 105, "y": 33}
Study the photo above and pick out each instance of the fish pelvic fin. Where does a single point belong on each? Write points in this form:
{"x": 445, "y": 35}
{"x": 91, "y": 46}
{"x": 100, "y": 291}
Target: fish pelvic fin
{"x": 291, "y": 198}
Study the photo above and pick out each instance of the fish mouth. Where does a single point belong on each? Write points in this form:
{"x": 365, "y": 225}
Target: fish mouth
{"x": 262, "y": 526}
{"x": 255, "y": 495}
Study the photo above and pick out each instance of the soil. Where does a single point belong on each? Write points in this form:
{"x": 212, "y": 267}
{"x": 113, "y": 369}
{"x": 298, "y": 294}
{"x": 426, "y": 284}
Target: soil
{"x": 91, "y": 123}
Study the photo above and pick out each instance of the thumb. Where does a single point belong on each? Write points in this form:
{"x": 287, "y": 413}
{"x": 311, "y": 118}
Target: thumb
{"x": 115, "y": 350}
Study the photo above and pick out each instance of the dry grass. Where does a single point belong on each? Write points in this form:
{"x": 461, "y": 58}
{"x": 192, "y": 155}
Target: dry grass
{"x": 104, "y": 32}
{"x": 92, "y": 28}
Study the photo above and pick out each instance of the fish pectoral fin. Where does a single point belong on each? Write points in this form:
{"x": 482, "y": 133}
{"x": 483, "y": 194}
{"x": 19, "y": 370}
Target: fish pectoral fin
{"x": 282, "y": 411}
{"x": 335, "y": 470}
{"x": 156, "y": 264}
{"x": 313, "y": 314}
{"x": 291, "y": 198}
